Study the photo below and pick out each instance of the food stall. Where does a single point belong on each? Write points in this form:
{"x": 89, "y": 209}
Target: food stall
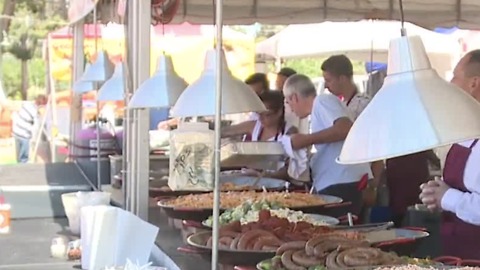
{"x": 267, "y": 240}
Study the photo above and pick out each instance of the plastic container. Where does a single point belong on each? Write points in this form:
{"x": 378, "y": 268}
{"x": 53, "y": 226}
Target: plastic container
{"x": 58, "y": 249}
{"x": 5, "y": 210}
{"x": 74, "y": 201}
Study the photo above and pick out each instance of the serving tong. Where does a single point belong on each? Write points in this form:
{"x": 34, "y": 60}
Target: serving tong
{"x": 367, "y": 227}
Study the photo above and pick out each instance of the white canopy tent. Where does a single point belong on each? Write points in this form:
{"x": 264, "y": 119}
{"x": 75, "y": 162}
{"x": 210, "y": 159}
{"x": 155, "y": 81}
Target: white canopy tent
{"x": 428, "y": 14}
{"x": 366, "y": 40}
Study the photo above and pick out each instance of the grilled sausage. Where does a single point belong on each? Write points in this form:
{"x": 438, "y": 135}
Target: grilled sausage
{"x": 288, "y": 262}
{"x": 301, "y": 258}
{"x": 246, "y": 239}
{"x": 267, "y": 243}
{"x": 291, "y": 246}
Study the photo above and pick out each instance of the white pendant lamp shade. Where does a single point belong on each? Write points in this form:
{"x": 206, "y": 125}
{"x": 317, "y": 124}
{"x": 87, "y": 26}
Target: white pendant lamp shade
{"x": 415, "y": 110}
{"x": 199, "y": 98}
{"x": 99, "y": 71}
{"x": 113, "y": 89}
{"x": 161, "y": 90}
{"x": 81, "y": 86}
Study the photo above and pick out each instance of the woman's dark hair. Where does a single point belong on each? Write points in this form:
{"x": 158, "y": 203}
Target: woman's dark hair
{"x": 275, "y": 101}
{"x": 259, "y": 78}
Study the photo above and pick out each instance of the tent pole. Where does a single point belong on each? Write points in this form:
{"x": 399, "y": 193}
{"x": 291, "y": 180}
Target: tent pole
{"x": 218, "y": 119}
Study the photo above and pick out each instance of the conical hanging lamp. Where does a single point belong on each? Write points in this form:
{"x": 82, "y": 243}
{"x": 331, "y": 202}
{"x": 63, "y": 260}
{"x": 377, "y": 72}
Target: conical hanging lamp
{"x": 162, "y": 90}
{"x": 99, "y": 71}
{"x": 199, "y": 98}
{"x": 113, "y": 88}
{"x": 81, "y": 86}
{"x": 415, "y": 110}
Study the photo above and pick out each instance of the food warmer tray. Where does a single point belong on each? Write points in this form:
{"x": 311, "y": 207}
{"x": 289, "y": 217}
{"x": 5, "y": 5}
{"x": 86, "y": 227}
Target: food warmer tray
{"x": 251, "y": 258}
{"x": 254, "y": 155}
{"x": 200, "y": 214}
{"x": 225, "y": 256}
{"x": 329, "y": 221}
{"x": 438, "y": 266}
{"x": 160, "y": 188}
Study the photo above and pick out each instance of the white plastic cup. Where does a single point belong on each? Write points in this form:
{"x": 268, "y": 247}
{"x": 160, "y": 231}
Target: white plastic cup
{"x": 74, "y": 201}
{"x": 70, "y": 205}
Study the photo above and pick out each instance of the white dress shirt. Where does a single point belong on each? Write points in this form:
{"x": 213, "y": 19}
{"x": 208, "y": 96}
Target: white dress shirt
{"x": 465, "y": 205}
{"x": 302, "y": 125}
{"x": 257, "y": 130}
{"x": 325, "y": 170}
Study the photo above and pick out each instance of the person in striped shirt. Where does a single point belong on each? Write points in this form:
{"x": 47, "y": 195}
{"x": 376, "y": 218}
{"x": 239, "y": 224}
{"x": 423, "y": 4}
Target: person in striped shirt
{"x": 25, "y": 121}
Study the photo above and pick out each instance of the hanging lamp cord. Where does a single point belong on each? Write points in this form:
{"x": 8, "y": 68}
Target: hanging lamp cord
{"x": 95, "y": 28}
{"x": 163, "y": 24}
{"x": 403, "y": 31}
{"x": 214, "y": 4}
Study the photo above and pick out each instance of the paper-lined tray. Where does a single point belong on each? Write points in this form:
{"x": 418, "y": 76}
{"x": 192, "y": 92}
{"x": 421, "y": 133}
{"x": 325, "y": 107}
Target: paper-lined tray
{"x": 255, "y": 155}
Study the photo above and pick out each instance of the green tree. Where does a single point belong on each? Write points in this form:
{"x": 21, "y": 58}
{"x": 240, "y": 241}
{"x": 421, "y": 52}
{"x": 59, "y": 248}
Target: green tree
{"x": 310, "y": 66}
{"x": 12, "y": 77}
{"x": 25, "y": 33}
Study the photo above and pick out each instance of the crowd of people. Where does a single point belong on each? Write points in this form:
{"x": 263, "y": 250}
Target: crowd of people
{"x": 320, "y": 123}
{"x": 457, "y": 194}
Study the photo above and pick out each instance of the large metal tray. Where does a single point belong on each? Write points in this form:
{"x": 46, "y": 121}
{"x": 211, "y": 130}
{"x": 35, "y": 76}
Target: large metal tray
{"x": 329, "y": 221}
{"x": 434, "y": 266}
{"x": 255, "y": 155}
{"x": 160, "y": 188}
{"x": 252, "y": 258}
{"x": 226, "y": 256}
{"x": 200, "y": 214}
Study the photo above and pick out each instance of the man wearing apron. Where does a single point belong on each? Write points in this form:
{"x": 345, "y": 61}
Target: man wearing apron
{"x": 329, "y": 127}
{"x": 458, "y": 195}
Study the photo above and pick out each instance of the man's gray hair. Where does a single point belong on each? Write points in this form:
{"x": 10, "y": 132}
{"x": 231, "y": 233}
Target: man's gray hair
{"x": 301, "y": 85}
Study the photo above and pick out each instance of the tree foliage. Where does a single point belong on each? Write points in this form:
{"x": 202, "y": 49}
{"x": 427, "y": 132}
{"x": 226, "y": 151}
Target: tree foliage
{"x": 31, "y": 23}
{"x": 12, "y": 77}
{"x": 310, "y": 66}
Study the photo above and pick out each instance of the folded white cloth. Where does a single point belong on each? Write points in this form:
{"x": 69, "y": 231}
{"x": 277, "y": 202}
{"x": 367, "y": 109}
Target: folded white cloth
{"x": 298, "y": 167}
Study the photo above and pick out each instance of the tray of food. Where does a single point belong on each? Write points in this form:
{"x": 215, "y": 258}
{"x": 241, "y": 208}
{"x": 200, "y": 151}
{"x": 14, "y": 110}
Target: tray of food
{"x": 198, "y": 207}
{"x": 259, "y": 240}
{"x": 263, "y": 237}
{"x": 228, "y": 183}
{"x": 250, "y": 211}
{"x": 352, "y": 255}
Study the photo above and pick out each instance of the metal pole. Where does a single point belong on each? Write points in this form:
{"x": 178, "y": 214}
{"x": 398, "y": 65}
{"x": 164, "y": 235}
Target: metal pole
{"x": 128, "y": 121}
{"x": 78, "y": 63}
{"x": 143, "y": 116}
{"x": 139, "y": 18}
{"x": 218, "y": 119}
{"x": 99, "y": 161}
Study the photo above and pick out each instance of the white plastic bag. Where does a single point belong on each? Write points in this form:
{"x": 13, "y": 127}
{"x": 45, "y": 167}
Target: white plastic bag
{"x": 191, "y": 157}
{"x": 135, "y": 266}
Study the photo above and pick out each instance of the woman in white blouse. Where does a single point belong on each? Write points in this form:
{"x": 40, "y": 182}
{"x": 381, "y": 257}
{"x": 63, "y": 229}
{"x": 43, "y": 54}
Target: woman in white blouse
{"x": 270, "y": 125}
{"x": 458, "y": 194}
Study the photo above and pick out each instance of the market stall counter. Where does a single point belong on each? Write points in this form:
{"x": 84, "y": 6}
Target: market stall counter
{"x": 169, "y": 240}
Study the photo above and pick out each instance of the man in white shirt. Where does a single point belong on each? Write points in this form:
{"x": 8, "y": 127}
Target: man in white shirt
{"x": 338, "y": 76}
{"x": 458, "y": 193}
{"x": 301, "y": 124}
{"x": 330, "y": 125}
{"x": 24, "y": 125}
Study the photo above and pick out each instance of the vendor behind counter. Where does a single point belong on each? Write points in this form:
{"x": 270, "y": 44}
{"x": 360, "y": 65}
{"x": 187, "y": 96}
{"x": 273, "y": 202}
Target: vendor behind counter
{"x": 158, "y": 115}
